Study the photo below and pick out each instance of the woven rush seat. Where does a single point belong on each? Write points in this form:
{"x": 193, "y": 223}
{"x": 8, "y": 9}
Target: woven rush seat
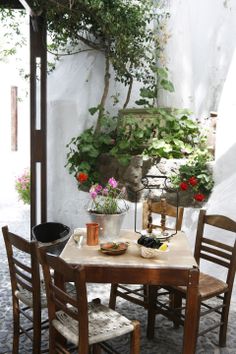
{"x": 74, "y": 320}
{"x": 104, "y": 324}
{"x": 27, "y": 298}
{"x": 208, "y": 286}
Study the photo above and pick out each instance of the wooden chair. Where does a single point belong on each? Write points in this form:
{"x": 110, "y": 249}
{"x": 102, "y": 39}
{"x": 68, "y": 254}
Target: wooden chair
{"x": 140, "y": 295}
{"x": 27, "y": 297}
{"x": 150, "y": 208}
{"x": 210, "y": 287}
{"x": 73, "y": 319}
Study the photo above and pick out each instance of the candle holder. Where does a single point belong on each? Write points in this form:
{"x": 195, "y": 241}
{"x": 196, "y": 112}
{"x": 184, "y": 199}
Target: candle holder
{"x": 155, "y": 182}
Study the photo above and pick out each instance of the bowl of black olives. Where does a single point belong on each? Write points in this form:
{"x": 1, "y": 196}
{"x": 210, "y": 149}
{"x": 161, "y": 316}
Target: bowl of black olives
{"x": 151, "y": 247}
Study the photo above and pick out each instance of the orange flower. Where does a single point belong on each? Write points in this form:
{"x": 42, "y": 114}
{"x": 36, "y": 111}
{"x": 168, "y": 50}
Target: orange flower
{"x": 81, "y": 177}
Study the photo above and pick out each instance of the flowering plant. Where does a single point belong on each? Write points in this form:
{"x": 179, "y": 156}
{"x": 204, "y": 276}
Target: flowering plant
{"x": 108, "y": 199}
{"x": 22, "y": 186}
{"x": 195, "y": 177}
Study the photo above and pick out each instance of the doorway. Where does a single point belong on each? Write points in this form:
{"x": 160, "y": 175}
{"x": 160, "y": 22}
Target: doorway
{"x": 14, "y": 125}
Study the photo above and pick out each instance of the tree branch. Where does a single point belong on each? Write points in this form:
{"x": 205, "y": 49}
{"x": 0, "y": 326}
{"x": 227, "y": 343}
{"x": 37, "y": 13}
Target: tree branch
{"x": 105, "y": 93}
{"x": 65, "y": 54}
{"x": 129, "y": 92}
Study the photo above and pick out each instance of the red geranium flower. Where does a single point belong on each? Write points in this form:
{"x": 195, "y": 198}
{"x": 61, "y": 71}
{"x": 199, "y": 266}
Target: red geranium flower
{"x": 199, "y": 197}
{"x": 81, "y": 177}
{"x": 193, "y": 181}
{"x": 183, "y": 186}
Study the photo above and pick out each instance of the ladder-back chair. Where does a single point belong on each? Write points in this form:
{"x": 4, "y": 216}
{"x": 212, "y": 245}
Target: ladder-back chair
{"x": 214, "y": 250}
{"x": 27, "y": 297}
{"x": 75, "y": 321}
{"x": 140, "y": 295}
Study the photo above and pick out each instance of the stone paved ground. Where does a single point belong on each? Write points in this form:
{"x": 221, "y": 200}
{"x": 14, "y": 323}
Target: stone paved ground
{"x": 167, "y": 339}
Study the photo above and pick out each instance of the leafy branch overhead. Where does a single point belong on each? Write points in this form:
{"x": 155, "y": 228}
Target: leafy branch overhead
{"x": 121, "y": 30}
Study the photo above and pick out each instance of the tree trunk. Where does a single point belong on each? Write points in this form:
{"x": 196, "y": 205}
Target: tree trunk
{"x": 104, "y": 95}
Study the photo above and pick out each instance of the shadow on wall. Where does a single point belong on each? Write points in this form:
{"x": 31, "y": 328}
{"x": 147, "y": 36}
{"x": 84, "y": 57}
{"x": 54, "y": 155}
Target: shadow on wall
{"x": 224, "y": 166}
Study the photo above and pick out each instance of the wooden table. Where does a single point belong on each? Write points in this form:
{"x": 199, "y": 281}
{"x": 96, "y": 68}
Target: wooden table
{"x": 177, "y": 267}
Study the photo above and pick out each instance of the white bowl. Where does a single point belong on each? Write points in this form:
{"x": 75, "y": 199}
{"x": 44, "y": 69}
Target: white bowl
{"x": 152, "y": 252}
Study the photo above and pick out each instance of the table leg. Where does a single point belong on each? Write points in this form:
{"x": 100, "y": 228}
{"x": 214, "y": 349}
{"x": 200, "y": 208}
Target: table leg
{"x": 192, "y": 314}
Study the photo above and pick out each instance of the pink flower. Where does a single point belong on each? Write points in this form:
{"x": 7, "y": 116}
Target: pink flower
{"x": 93, "y": 194}
{"x": 112, "y": 182}
{"x": 98, "y": 188}
{"x": 105, "y": 191}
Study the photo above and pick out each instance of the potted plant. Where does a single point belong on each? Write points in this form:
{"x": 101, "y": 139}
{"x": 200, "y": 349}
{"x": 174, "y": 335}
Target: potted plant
{"x": 194, "y": 179}
{"x": 108, "y": 208}
{"x": 131, "y": 149}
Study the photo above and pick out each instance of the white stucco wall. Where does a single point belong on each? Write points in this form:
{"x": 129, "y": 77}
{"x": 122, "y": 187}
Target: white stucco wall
{"x": 199, "y": 52}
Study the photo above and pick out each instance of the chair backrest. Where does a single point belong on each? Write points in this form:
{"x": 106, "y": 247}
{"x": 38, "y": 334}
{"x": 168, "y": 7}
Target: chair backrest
{"x": 75, "y": 305}
{"x": 155, "y": 207}
{"x": 216, "y": 251}
{"x": 23, "y": 265}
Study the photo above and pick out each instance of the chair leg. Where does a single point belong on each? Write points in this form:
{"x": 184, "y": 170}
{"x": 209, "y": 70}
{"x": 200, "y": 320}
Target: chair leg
{"x": 16, "y": 326}
{"x": 175, "y": 305}
{"x": 56, "y": 341}
{"x": 135, "y": 338}
{"x": 224, "y": 321}
{"x": 151, "y": 315}
{"x": 96, "y": 349}
{"x": 37, "y": 331}
{"x": 113, "y": 291}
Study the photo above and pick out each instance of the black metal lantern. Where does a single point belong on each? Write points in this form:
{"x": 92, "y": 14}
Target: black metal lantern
{"x": 160, "y": 184}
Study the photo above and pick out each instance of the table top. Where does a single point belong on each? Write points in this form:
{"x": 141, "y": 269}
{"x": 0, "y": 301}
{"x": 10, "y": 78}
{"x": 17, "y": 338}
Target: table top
{"x": 179, "y": 255}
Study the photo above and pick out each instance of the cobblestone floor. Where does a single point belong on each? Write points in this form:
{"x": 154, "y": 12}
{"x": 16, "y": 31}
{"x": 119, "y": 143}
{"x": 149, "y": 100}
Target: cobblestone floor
{"x": 167, "y": 339}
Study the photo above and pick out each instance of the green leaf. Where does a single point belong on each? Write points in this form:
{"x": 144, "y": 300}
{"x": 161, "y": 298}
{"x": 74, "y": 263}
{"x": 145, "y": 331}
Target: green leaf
{"x": 93, "y": 110}
{"x": 162, "y": 72}
{"x": 92, "y": 152}
{"x": 141, "y": 102}
{"x": 124, "y": 159}
{"x": 167, "y": 85}
{"x": 157, "y": 144}
{"x": 148, "y": 93}
{"x": 84, "y": 166}
{"x": 178, "y": 143}
{"x": 167, "y": 148}
{"x": 124, "y": 144}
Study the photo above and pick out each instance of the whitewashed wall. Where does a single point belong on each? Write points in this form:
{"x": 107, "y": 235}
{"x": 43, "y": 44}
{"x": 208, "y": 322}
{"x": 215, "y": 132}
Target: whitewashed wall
{"x": 200, "y": 52}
